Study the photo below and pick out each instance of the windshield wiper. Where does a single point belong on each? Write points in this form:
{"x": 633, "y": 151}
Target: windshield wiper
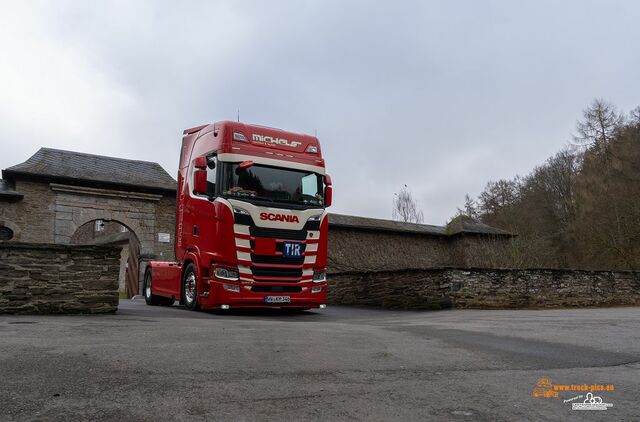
{"x": 301, "y": 203}
{"x": 258, "y": 198}
{"x": 262, "y": 198}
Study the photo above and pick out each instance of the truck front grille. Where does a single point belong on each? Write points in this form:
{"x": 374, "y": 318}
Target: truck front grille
{"x": 277, "y": 272}
{"x": 276, "y": 289}
{"x": 276, "y": 259}
{"x": 278, "y": 233}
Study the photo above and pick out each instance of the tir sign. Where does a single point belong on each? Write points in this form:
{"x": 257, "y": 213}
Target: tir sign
{"x": 291, "y": 250}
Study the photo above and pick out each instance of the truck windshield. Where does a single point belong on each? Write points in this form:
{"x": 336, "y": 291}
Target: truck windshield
{"x": 272, "y": 184}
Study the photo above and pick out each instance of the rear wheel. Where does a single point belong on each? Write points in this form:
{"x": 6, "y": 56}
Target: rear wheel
{"x": 190, "y": 287}
{"x": 149, "y": 297}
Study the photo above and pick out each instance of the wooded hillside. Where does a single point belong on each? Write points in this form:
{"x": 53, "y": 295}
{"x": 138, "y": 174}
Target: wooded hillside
{"x": 581, "y": 208}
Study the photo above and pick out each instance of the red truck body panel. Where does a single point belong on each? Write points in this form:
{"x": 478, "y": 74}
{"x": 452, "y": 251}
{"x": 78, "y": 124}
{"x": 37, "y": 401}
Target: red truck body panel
{"x": 245, "y": 235}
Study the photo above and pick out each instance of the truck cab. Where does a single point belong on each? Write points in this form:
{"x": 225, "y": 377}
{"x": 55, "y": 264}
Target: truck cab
{"x": 251, "y": 224}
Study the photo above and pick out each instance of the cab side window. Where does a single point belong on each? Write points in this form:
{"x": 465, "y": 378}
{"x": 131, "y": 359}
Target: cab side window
{"x": 212, "y": 168}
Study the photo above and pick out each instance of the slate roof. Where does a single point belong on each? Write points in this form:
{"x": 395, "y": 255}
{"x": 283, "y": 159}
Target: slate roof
{"x": 464, "y": 224}
{"x": 77, "y": 166}
{"x": 376, "y": 224}
{"x": 365, "y": 223}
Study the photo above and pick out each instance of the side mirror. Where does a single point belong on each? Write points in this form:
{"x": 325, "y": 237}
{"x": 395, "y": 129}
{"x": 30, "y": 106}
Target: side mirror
{"x": 200, "y": 162}
{"x": 328, "y": 191}
{"x": 328, "y": 195}
{"x": 200, "y": 182}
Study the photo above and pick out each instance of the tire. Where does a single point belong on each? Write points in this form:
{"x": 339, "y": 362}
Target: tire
{"x": 149, "y": 298}
{"x": 190, "y": 287}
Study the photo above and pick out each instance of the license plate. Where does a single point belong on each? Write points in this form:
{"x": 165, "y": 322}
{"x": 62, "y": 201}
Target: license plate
{"x": 277, "y": 299}
{"x": 291, "y": 249}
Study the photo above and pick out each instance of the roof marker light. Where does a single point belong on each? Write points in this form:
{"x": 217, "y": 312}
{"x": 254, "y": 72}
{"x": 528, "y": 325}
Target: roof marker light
{"x": 312, "y": 149}
{"x": 237, "y": 136}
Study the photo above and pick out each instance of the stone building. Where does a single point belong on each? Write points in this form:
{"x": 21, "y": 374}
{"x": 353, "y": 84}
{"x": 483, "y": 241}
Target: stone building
{"x": 61, "y": 197}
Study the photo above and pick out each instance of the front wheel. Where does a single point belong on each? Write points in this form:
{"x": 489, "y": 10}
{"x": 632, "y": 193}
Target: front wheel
{"x": 190, "y": 287}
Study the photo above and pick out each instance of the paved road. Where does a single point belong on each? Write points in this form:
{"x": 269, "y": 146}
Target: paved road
{"x": 154, "y": 363}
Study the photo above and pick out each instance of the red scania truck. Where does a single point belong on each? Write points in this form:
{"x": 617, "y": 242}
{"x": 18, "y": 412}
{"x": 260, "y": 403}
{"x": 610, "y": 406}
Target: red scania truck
{"x": 251, "y": 225}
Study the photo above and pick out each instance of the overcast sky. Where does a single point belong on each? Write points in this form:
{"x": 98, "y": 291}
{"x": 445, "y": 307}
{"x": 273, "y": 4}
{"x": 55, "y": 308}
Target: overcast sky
{"x": 442, "y": 96}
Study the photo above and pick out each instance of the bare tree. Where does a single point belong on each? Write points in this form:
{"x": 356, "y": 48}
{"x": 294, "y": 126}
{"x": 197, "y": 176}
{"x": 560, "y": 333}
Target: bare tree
{"x": 470, "y": 208}
{"x": 405, "y": 207}
{"x": 634, "y": 116}
{"x": 499, "y": 195}
{"x": 600, "y": 123}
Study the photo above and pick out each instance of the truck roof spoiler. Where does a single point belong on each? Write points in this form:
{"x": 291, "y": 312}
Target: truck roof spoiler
{"x": 193, "y": 130}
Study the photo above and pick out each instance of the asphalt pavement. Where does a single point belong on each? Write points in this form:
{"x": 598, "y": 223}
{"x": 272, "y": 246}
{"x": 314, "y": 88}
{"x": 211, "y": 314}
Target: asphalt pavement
{"x": 157, "y": 363}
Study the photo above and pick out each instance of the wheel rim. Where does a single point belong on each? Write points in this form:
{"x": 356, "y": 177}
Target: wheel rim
{"x": 190, "y": 287}
{"x": 147, "y": 290}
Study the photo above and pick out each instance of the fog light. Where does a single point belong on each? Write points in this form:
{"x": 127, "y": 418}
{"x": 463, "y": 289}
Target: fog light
{"x": 227, "y": 274}
{"x": 231, "y": 288}
{"x": 224, "y": 306}
{"x": 316, "y": 289}
{"x": 319, "y": 276}
{"x": 323, "y": 306}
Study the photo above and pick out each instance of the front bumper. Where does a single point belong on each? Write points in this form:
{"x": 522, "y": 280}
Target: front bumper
{"x": 214, "y": 294}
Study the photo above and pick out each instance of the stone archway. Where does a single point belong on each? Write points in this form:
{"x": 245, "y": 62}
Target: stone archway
{"x": 75, "y": 206}
{"x": 144, "y": 213}
{"x": 114, "y": 233}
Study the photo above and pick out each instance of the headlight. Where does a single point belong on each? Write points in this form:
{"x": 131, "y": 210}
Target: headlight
{"x": 227, "y": 274}
{"x": 315, "y": 218}
{"x": 239, "y": 210}
{"x": 319, "y": 276}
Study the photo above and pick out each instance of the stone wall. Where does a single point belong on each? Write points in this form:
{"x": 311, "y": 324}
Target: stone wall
{"x": 485, "y": 288}
{"x": 539, "y": 288}
{"x": 46, "y": 278}
{"x": 404, "y": 289}
{"x": 480, "y": 251}
{"x": 367, "y": 250}
{"x": 354, "y": 250}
